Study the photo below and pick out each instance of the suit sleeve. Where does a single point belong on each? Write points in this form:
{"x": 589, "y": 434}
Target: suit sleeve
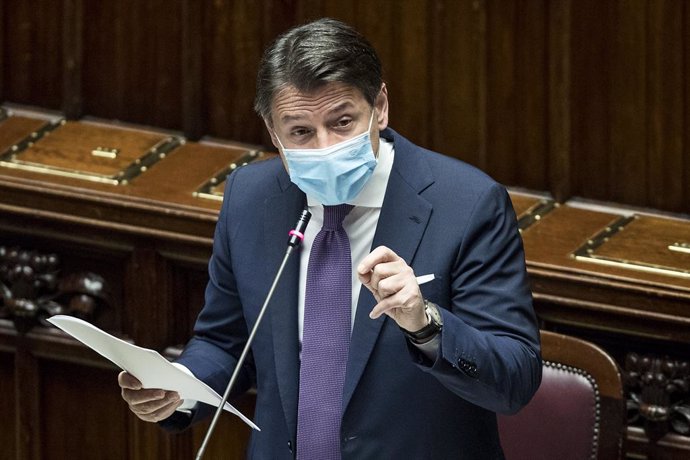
{"x": 489, "y": 353}
{"x": 220, "y": 332}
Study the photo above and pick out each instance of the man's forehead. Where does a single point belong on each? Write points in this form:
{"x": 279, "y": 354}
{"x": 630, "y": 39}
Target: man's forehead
{"x": 290, "y": 103}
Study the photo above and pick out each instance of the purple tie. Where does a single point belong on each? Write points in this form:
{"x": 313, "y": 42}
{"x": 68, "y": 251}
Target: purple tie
{"x": 326, "y": 339}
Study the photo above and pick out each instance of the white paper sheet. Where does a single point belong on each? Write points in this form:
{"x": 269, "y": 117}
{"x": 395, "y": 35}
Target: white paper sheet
{"x": 152, "y": 369}
{"x": 425, "y": 278}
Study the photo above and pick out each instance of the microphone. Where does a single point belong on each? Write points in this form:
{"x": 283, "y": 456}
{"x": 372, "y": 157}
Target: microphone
{"x": 297, "y": 235}
{"x": 295, "y": 239}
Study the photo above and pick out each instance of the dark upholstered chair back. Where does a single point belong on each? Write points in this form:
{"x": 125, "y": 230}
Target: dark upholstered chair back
{"x": 578, "y": 411}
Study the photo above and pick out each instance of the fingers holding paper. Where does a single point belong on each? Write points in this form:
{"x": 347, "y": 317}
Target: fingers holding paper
{"x": 395, "y": 288}
{"x": 150, "y": 405}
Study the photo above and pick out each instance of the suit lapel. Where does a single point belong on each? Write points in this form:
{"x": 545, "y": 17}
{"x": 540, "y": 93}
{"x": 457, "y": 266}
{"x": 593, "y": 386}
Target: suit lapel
{"x": 404, "y": 217}
{"x": 280, "y": 215}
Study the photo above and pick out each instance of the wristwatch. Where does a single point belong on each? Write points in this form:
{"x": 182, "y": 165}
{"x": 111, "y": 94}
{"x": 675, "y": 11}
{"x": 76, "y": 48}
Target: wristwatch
{"x": 429, "y": 331}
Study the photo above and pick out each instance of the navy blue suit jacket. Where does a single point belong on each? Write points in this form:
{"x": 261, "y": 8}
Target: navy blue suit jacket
{"x": 443, "y": 217}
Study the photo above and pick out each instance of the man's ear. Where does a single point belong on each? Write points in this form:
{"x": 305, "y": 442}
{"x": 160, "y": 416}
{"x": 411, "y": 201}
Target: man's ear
{"x": 381, "y": 105}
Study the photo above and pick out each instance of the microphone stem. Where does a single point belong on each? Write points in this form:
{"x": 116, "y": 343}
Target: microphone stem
{"x": 245, "y": 351}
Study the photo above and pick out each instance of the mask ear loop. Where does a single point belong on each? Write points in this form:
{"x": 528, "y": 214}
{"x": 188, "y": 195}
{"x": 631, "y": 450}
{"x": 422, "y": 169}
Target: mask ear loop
{"x": 275, "y": 134}
{"x": 371, "y": 120}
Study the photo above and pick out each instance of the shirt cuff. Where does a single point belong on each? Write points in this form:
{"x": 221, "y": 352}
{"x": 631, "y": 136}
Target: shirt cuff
{"x": 188, "y": 405}
{"x": 430, "y": 348}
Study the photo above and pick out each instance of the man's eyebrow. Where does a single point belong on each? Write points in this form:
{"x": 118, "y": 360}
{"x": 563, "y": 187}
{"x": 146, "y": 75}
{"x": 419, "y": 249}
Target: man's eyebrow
{"x": 340, "y": 107}
{"x": 288, "y": 118}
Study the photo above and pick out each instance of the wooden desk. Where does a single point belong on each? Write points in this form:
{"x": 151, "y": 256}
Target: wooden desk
{"x": 621, "y": 279}
{"x": 148, "y": 235}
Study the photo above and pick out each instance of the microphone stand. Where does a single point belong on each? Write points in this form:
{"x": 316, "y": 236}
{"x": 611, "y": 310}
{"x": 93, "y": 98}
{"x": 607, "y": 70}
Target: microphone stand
{"x": 295, "y": 238}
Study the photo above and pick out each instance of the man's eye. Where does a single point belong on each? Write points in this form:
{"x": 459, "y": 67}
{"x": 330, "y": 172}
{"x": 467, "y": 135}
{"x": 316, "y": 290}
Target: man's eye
{"x": 299, "y": 132}
{"x": 344, "y": 122}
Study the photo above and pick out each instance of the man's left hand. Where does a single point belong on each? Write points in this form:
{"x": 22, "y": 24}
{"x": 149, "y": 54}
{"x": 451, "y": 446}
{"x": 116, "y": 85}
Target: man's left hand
{"x": 395, "y": 288}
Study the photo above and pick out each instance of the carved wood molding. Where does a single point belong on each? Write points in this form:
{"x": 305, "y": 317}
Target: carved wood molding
{"x": 658, "y": 394}
{"x": 32, "y": 288}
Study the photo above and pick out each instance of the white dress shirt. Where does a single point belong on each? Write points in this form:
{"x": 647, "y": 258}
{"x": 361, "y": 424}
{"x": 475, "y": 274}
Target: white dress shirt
{"x": 359, "y": 224}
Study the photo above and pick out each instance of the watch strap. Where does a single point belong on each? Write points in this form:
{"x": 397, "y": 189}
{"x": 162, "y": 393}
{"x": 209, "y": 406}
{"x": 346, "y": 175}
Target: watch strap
{"x": 427, "y": 332}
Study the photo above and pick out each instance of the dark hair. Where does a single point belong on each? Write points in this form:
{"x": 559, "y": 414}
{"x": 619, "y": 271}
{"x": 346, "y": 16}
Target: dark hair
{"x": 312, "y": 55}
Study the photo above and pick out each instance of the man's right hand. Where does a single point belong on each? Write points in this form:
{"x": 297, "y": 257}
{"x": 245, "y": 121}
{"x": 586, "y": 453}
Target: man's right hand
{"x": 147, "y": 404}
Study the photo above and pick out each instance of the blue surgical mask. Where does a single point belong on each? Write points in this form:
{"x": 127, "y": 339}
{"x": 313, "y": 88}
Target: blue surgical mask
{"x": 336, "y": 174}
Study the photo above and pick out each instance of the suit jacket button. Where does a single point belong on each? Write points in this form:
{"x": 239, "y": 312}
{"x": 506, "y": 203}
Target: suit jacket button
{"x": 290, "y": 446}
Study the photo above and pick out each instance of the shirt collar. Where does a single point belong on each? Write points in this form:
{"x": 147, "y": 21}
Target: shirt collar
{"x": 375, "y": 189}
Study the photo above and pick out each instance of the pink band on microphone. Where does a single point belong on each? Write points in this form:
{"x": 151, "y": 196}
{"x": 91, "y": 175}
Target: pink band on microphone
{"x": 299, "y": 235}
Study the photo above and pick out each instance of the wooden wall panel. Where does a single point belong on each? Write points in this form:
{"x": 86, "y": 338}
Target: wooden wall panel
{"x": 86, "y": 432}
{"x": 3, "y": 31}
{"x": 27, "y": 409}
{"x": 686, "y": 103}
{"x": 559, "y": 151}
{"x": 628, "y": 110}
{"x": 630, "y": 102}
{"x": 32, "y": 48}
{"x": 585, "y": 98}
{"x": 7, "y": 405}
{"x": 193, "y": 124}
{"x": 666, "y": 104}
{"x": 590, "y": 95}
{"x": 410, "y": 69}
{"x": 190, "y": 282}
{"x": 232, "y": 48}
{"x": 132, "y": 61}
{"x": 148, "y": 296}
{"x": 516, "y": 98}
{"x": 72, "y": 49}
{"x": 531, "y": 119}
{"x": 458, "y": 80}
{"x": 501, "y": 89}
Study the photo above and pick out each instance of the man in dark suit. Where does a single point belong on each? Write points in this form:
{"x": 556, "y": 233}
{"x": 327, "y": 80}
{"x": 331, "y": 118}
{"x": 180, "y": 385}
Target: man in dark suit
{"x": 442, "y": 334}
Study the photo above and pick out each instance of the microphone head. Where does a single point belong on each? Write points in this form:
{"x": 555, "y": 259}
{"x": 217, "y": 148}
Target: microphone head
{"x": 297, "y": 234}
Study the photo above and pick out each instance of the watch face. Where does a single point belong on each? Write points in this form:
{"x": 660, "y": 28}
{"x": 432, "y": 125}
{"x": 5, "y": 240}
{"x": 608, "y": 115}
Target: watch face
{"x": 434, "y": 313}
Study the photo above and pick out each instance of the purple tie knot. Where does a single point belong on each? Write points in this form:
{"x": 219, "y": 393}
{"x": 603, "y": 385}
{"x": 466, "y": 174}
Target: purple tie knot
{"x": 333, "y": 216}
